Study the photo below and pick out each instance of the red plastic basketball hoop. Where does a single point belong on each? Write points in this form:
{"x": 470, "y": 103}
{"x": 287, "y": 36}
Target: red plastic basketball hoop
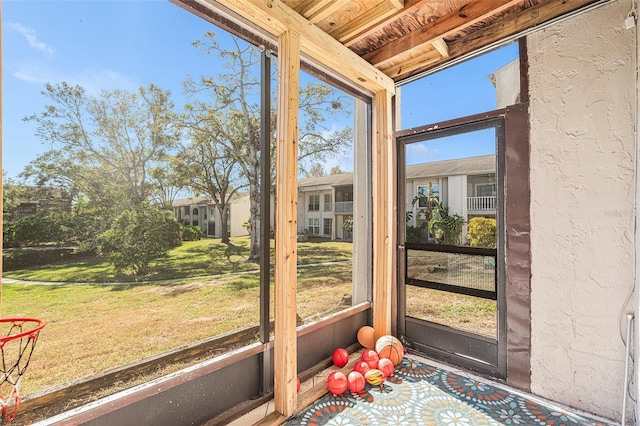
{"x": 16, "y": 347}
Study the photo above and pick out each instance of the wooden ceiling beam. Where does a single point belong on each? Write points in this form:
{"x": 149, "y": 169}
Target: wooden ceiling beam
{"x": 473, "y": 12}
{"x": 519, "y": 22}
{"x": 373, "y": 14}
{"x": 409, "y": 7}
{"x": 275, "y": 17}
{"x": 408, "y": 65}
{"x": 504, "y": 28}
{"x": 316, "y": 11}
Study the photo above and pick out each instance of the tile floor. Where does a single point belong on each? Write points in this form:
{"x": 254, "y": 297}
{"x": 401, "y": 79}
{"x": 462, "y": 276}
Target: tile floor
{"x": 423, "y": 391}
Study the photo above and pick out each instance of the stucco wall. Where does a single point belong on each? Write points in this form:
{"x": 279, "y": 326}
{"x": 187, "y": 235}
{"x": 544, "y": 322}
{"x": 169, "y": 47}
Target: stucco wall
{"x": 239, "y": 214}
{"x": 582, "y": 90}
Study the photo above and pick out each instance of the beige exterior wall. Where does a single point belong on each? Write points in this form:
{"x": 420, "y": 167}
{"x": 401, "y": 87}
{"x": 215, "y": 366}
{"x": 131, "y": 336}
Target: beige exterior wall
{"x": 239, "y": 214}
{"x": 507, "y": 83}
{"x": 583, "y": 97}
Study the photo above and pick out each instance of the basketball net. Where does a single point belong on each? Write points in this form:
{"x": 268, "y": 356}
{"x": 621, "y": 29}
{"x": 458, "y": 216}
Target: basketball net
{"x": 15, "y": 351}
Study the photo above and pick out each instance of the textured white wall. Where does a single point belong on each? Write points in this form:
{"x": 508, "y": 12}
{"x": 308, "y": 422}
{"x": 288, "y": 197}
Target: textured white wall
{"x": 583, "y": 92}
{"x": 239, "y": 215}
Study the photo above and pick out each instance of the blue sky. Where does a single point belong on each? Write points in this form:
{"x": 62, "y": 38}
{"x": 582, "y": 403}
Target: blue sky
{"x": 96, "y": 44}
{"x": 127, "y": 44}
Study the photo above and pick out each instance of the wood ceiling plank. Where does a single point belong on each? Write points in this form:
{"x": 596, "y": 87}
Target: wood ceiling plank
{"x": 319, "y": 10}
{"x": 401, "y": 68}
{"x": 500, "y": 30}
{"x": 518, "y": 22}
{"x": 276, "y": 18}
{"x": 308, "y": 8}
{"x": 474, "y": 12}
{"x": 410, "y": 7}
{"x": 373, "y": 14}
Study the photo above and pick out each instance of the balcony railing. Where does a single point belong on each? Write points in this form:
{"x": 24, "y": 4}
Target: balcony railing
{"x": 343, "y": 207}
{"x": 481, "y": 204}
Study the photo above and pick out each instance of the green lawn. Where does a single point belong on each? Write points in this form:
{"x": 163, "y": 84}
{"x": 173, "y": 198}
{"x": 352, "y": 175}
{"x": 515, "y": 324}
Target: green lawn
{"x": 93, "y": 327}
{"x": 206, "y": 257}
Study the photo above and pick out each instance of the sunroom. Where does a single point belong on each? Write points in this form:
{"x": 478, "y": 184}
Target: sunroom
{"x": 560, "y": 278}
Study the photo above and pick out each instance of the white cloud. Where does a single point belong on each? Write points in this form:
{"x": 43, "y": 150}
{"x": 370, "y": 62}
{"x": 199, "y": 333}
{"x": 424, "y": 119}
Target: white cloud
{"x": 93, "y": 80}
{"x": 31, "y": 36}
{"x": 420, "y": 153}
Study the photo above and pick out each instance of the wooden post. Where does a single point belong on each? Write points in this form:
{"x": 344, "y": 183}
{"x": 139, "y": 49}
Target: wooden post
{"x": 285, "y": 340}
{"x": 1, "y": 176}
{"x": 384, "y": 243}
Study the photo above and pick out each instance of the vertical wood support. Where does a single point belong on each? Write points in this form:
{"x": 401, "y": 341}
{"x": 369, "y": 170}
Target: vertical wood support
{"x": 384, "y": 238}
{"x": 361, "y": 274}
{"x": 1, "y": 177}
{"x": 285, "y": 396}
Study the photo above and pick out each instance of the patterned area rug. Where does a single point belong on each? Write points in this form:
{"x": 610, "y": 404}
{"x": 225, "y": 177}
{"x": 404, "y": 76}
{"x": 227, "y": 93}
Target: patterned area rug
{"x": 419, "y": 394}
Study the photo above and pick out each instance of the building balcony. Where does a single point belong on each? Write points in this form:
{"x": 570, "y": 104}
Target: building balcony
{"x": 343, "y": 207}
{"x": 481, "y": 204}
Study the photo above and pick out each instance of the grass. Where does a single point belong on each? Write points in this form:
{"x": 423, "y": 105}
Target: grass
{"x": 467, "y": 313}
{"x": 94, "y": 327}
{"x": 192, "y": 259}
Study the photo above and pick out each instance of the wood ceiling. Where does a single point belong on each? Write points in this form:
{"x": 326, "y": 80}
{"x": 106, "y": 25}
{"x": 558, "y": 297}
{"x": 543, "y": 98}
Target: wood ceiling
{"x": 405, "y": 37}
{"x": 400, "y": 38}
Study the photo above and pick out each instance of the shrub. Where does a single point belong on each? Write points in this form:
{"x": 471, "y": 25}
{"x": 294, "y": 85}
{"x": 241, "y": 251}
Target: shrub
{"x": 39, "y": 229}
{"x": 482, "y": 232}
{"x": 192, "y": 233}
{"x": 413, "y": 234}
{"x": 28, "y": 258}
{"x": 138, "y": 236}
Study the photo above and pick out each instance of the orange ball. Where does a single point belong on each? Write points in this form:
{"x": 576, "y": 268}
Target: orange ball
{"x": 366, "y": 337}
{"x": 297, "y": 384}
{"x": 355, "y": 381}
{"x": 390, "y": 347}
{"x": 337, "y": 383}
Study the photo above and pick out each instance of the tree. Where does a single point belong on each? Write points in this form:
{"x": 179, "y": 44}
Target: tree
{"x": 12, "y": 194}
{"x": 112, "y": 140}
{"x": 336, "y": 170}
{"x": 427, "y": 203}
{"x": 447, "y": 228}
{"x": 168, "y": 181}
{"x": 233, "y": 102}
{"x": 316, "y": 171}
{"x": 208, "y": 165}
{"x": 138, "y": 236}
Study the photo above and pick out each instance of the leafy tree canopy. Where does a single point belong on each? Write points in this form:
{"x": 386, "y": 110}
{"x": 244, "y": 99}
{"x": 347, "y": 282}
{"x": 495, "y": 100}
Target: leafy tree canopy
{"x": 138, "y": 236}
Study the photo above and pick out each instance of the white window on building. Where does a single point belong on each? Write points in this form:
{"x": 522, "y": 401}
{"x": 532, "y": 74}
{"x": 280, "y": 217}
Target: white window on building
{"x": 328, "y": 202}
{"x": 314, "y": 203}
{"x": 314, "y": 226}
{"x": 326, "y": 228}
